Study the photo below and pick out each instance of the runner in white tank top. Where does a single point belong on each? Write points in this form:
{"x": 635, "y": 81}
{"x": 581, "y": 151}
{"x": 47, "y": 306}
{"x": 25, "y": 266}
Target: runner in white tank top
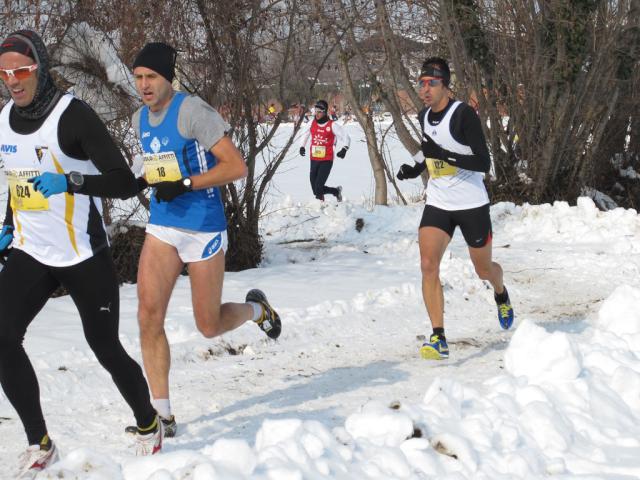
{"x": 455, "y": 153}
{"x": 58, "y": 157}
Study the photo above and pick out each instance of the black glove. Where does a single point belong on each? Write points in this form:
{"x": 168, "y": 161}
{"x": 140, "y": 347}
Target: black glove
{"x": 431, "y": 149}
{"x": 167, "y": 191}
{"x": 342, "y": 152}
{"x": 409, "y": 171}
{"x": 4, "y": 255}
{"x": 302, "y": 151}
{"x": 142, "y": 183}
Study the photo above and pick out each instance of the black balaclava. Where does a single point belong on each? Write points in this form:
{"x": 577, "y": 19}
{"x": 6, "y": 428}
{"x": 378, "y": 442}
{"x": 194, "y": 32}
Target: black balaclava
{"x": 29, "y": 43}
{"x": 323, "y": 106}
{"x": 159, "y": 57}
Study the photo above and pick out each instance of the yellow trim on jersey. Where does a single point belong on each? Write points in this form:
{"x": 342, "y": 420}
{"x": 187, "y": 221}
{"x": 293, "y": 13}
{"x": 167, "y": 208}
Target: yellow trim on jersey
{"x": 18, "y": 224}
{"x": 69, "y": 205}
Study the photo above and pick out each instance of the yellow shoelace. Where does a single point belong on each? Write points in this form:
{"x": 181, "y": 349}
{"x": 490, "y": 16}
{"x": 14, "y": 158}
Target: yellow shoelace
{"x": 505, "y": 309}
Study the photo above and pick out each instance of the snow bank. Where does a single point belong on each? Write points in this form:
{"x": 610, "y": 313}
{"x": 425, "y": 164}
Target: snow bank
{"x": 583, "y": 223}
{"x": 567, "y": 405}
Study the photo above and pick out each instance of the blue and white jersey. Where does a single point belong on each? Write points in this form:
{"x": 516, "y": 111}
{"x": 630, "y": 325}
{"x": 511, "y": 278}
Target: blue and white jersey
{"x": 199, "y": 210}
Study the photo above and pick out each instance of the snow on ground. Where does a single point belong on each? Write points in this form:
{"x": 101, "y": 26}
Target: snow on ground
{"x": 291, "y": 182}
{"x": 559, "y": 396}
{"x": 343, "y": 393}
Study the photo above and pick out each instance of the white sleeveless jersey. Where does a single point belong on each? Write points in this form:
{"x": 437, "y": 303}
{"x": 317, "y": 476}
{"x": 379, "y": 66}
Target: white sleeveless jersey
{"x": 64, "y": 229}
{"x": 449, "y": 187}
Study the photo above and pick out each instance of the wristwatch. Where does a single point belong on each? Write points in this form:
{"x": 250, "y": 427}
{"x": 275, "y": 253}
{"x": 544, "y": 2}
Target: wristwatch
{"x": 76, "y": 181}
{"x": 188, "y": 184}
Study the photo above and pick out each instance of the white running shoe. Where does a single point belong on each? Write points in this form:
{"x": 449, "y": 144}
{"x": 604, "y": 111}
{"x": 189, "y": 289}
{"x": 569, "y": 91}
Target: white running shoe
{"x": 35, "y": 459}
{"x": 150, "y": 443}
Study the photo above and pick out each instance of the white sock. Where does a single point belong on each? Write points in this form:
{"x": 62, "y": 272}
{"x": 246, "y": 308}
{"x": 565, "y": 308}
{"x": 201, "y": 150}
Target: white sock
{"x": 257, "y": 311}
{"x": 162, "y": 406}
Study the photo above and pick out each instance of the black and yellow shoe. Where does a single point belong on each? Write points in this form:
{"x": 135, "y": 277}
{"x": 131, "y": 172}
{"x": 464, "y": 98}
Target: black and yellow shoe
{"x": 169, "y": 424}
{"x": 269, "y": 321}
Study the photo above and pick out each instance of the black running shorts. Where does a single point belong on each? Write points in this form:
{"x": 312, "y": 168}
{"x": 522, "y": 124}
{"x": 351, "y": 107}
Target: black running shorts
{"x": 474, "y": 223}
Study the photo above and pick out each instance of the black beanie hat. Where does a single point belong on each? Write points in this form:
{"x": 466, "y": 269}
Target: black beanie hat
{"x": 159, "y": 57}
{"x": 438, "y": 68}
{"x": 322, "y": 105}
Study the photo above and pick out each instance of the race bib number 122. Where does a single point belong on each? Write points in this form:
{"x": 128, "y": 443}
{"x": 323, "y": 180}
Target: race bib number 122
{"x": 440, "y": 168}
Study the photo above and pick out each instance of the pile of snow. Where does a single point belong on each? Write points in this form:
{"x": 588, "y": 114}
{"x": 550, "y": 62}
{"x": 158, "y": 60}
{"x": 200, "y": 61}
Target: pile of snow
{"x": 568, "y": 404}
{"x": 583, "y": 223}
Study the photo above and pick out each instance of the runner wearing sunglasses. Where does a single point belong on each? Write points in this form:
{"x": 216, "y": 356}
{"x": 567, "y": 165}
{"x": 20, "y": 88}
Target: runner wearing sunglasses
{"x": 454, "y": 151}
{"x": 20, "y": 73}
{"x": 58, "y": 157}
{"x": 325, "y": 136}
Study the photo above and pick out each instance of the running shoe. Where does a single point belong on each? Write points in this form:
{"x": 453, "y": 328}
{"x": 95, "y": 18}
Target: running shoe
{"x": 36, "y": 458}
{"x": 435, "y": 349}
{"x": 169, "y": 424}
{"x": 505, "y": 311}
{"x": 150, "y": 443}
{"x": 269, "y": 321}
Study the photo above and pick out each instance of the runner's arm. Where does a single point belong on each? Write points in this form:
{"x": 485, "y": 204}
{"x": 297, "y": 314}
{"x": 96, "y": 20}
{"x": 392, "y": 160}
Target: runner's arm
{"x": 83, "y": 136}
{"x": 230, "y": 167}
{"x": 343, "y": 138}
{"x": 469, "y": 133}
{"x": 197, "y": 119}
{"x": 304, "y": 138}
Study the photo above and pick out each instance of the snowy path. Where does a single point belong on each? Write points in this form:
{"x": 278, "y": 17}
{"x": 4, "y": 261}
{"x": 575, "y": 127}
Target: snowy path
{"x": 352, "y": 311}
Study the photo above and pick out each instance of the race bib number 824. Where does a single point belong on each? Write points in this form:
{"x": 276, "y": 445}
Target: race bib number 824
{"x": 23, "y": 195}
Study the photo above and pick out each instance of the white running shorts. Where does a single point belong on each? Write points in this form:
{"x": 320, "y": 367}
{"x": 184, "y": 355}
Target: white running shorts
{"x": 191, "y": 246}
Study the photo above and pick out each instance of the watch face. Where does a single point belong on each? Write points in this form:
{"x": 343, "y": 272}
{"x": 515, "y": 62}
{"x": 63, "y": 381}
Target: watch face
{"x": 76, "y": 178}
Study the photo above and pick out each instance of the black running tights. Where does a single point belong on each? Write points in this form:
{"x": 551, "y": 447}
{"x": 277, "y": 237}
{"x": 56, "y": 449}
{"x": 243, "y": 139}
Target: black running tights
{"x": 318, "y": 176}
{"x": 25, "y": 286}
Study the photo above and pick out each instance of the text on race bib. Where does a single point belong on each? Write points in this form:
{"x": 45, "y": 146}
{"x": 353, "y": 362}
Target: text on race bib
{"x": 161, "y": 167}
{"x": 23, "y": 195}
{"x": 440, "y": 168}
{"x": 318, "y": 151}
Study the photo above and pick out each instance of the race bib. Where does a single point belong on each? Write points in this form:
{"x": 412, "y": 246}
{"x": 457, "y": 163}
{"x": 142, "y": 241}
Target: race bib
{"x": 161, "y": 167}
{"x": 23, "y": 195}
{"x": 318, "y": 151}
{"x": 440, "y": 168}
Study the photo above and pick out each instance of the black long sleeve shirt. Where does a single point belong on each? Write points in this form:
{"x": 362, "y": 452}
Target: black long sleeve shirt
{"x": 465, "y": 128}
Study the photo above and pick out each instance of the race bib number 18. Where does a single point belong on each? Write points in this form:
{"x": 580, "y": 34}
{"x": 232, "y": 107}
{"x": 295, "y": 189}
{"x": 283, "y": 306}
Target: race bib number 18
{"x": 161, "y": 167}
{"x": 23, "y": 195}
{"x": 440, "y": 168}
